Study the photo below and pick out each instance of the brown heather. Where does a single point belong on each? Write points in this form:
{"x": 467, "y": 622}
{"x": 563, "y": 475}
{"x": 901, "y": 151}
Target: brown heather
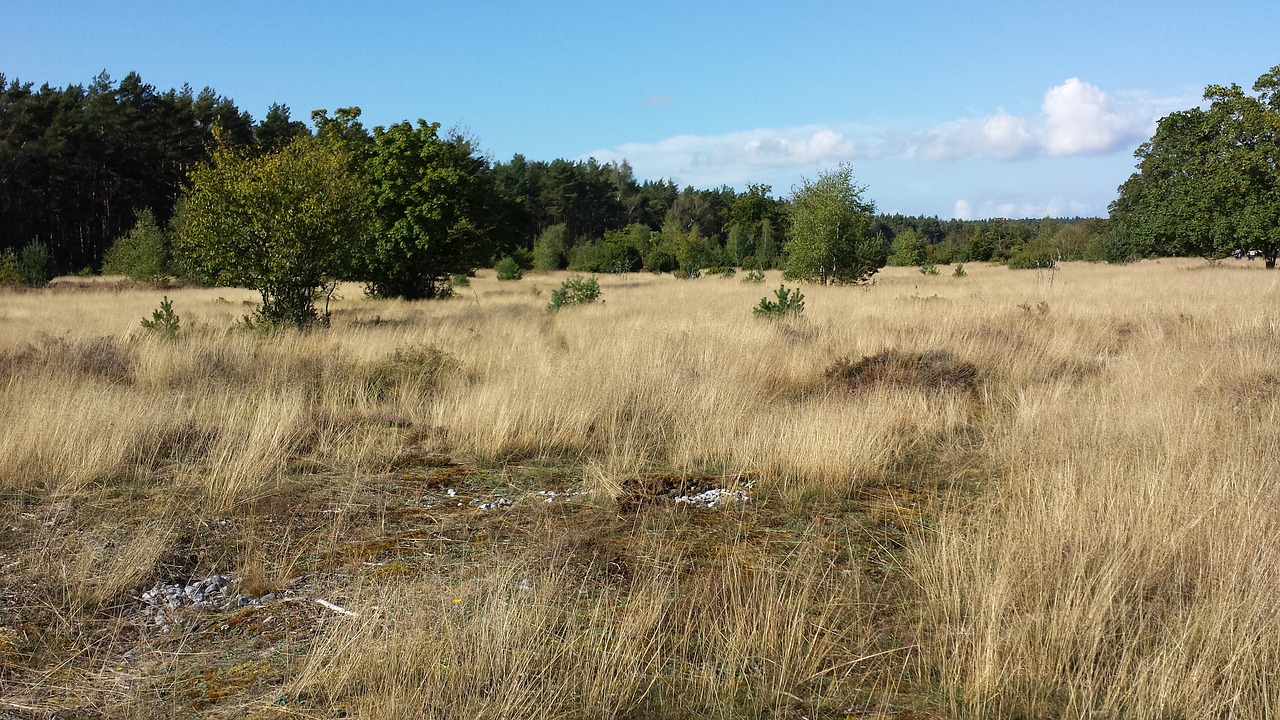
{"x": 980, "y": 497}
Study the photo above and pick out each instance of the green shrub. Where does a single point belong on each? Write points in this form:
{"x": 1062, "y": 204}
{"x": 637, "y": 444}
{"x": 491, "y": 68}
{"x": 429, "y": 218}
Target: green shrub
{"x": 550, "y": 249}
{"x": 928, "y": 268}
{"x": 508, "y": 269}
{"x": 959, "y": 271}
{"x": 1034, "y": 255}
{"x": 142, "y": 254}
{"x": 460, "y": 280}
{"x": 164, "y": 321}
{"x": 574, "y": 291}
{"x": 725, "y": 271}
{"x": 755, "y": 276}
{"x": 789, "y": 303}
{"x": 9, "y": 274}
{"x": 35, "y": 264}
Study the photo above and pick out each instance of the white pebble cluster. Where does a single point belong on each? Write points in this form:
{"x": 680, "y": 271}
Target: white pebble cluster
{"x": 714, "y": 496}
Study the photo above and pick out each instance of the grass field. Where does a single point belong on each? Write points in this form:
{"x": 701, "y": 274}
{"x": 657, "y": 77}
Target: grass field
{"x": 1014, "y": 494}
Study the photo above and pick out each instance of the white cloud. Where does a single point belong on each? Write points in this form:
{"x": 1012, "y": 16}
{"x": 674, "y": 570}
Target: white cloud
{"x": 1081, "y": 119}
{"x": 1001, "y": 136}
{"x": 735, "y": 157}
{"x": 1076, "y": 118}
{"x": 1051, "y": 207}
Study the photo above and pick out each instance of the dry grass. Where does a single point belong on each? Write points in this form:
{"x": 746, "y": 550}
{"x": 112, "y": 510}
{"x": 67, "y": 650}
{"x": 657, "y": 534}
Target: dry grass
{"x": 981, "y": 497}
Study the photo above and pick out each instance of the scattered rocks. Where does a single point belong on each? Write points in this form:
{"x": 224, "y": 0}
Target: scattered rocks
{"x": 551, "y": 496}
{"x": 498, "y": 503}
{"x": 165, "y": 604}
{"x": 714, "y": 496}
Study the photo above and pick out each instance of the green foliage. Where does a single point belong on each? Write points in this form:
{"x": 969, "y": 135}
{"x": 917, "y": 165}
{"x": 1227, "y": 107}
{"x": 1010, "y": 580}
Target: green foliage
{"x": 907, "y": 249}
{"x": 164, "y": 321}
{"x": 787, "y": 303}
{"x": 754, "y": 276}
{"x": 693, "y": 252}
{"x": 1206, "y": 181}
{"x": 576, "y": 290}
{"x": 660, "y": 258}
{"x": 832, "y": 237}
{"x": 617, "y": 252}
{"x": 281, "y": 224}
{"x": 143, "y": 254}
{"x": 9, "y": 274}
{"x": 508, "y": 269}
{"x": 1034, "y": 255}
{"x": 35, "y": 264}
{"x": 981, "y": 246}
{"x": 928, "y": 268}
{"x": 80, "y": 162}
{"x": 724, "y": 271}
{"x": 959, "y": 271}
{"x": 460, "y": 280}
{"x": 1119, "y": 245}
{"x": 432, "y": 198}
{"x": 550, "y": 250}
{"x": 950, "y": 250}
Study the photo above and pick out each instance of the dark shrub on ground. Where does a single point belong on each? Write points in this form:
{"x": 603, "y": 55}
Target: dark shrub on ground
{"x": 931, "y": 370}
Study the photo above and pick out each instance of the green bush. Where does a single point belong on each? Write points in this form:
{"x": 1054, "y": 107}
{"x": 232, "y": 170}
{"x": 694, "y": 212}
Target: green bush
{"x": 9, "y": 274}
{"x": 605, "y": 256}
{"x": 928, "y": 268}
{"x": 574, "y": 291}
{"x": 755, "y": 276}
{"x": 959, "y": 271}
{"x": 789, "y": 303}
{"x": 35, "y": 264}
{"x": 508, "y": 269}
{"x": 550, "y": 249}
{"x": 460, "y": 280}
{"x": 1033, "y": 256}
{"x": 142, "y": 254}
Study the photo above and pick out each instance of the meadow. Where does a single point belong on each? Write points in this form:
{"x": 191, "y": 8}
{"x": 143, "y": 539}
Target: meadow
{"x": 1014, "y": 494}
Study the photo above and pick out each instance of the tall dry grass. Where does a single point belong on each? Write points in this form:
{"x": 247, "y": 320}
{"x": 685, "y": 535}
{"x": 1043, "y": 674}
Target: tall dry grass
{"x": 1099, "y": 540}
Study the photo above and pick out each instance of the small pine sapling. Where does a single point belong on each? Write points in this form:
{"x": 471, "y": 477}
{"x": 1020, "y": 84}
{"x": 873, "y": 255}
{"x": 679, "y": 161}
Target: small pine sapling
{"x": 789, "y": 303}
{"x": 164, "y": 321}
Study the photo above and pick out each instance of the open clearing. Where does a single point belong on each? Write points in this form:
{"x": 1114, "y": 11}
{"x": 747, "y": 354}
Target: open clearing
{"x": 1012, "y": 494}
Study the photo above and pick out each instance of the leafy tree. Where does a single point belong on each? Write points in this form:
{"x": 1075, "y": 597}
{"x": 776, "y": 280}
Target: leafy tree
{"x": 907, "y": 249}
{"x": 431, "y": 199}
{"x": 832, "y": 239}
{"x": 1208, "y": 181}
{"x": 282, "y": 224}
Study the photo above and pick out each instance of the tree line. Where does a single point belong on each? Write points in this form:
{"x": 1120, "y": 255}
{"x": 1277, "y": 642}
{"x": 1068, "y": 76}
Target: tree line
{"x": 109, "y": 175}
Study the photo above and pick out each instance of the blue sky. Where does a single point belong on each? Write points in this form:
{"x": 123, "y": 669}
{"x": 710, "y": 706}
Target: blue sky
{"x": 1015, "y": 109}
